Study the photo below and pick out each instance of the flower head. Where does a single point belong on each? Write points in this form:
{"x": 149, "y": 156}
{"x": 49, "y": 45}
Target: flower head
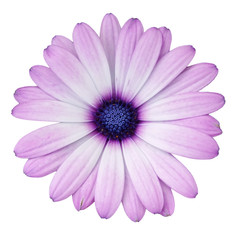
{"x": 124, "y": 103}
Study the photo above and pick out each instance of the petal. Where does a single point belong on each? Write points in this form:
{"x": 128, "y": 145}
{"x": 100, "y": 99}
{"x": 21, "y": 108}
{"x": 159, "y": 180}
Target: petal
{"x": 26, "y": 94}
{"x": 54, "y": 86}
{"x": 180, "y": 106}
{"x": 109, "y": 34}
{"x": 65, "y": 43}
{"x": 192, "y": 79}
{"x": 206, "y": 124}
{"x": 84, "y": 196}
{"x": 186, "y": 142}
{"x": 169, "y": 170}
{"x": 169, "y": 203}
{"x": 131, "y": 203}
{"x": 143, "y": 177}
{"x": 166, "y": 70}
{"x": 142, "y": 62}
{"x": 92, "y": 55}
{"x": 51, "y": 138}
{"x": 51, "y": 110}
{"x": 128, "y": 38}
{"x": 166, "y": 41}
{"x": 44, "y": 165}
{"x": 77, "y": 168}
{"x": 68, "y": 68}
{"x": 110, "y": 180}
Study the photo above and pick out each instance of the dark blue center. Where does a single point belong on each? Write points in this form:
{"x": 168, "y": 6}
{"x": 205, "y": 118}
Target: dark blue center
{"x": 116, "y": 119}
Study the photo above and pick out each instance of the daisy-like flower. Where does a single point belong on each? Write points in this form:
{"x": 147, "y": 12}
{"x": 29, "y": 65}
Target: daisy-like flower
{"x": 124, "y": 103}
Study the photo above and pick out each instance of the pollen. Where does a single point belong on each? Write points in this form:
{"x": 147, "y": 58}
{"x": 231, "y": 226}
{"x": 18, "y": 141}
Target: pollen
{"x": 116, "y": 119}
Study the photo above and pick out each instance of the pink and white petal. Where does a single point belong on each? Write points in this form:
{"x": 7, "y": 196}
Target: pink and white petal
{"x": 143, "y": 177}
{"x": 77, "y": 168}
{"x": 26, "y": 94}
{"x": 65, "y": 43}
{"x": 128, "y": 38}
{"x": 192, "y": 79}
{"x": 46, "y": 79}
{"x": 110, "y": 180}
{"x": 166, "y": 41}
{"x": 131, "y": 203}
{"x": 169, "y": 203}
{"x": 92, "y": 55}
{"x": 143, "y": 60}
{"x": 206, "y": 124}
{"x": 84, "y": 196}
{"x": 109, "y": 34}
{"x": 181, "y": 106}
{"x": 169, "y": 169}
{"x": 183, "y": 141}
{"x": 52, "y": 111}
{"x": 44, "y": 165}
{"x": 51, "y": 138}
{"x": 69, "y": 69}
{"x": 166, "y": 70}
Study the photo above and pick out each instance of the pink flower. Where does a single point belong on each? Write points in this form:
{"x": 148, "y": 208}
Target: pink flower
{"x": 124, "y": 103}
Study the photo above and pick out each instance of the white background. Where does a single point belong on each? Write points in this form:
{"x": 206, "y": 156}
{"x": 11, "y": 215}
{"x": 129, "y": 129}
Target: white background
{"x": 26, "y": 212}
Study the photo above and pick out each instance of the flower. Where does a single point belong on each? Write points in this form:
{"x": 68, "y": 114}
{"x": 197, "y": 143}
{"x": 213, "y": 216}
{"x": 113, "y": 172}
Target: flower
{"x": 124, "y": 103}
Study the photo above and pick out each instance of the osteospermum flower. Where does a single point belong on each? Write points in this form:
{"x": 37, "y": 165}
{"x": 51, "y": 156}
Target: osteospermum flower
{"x": 124, "y": 103}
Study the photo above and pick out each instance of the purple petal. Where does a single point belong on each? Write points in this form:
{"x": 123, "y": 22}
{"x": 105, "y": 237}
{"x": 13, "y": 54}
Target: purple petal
{"x": 166, "y": 41}
{"x": 44, "y": 165}
{"x": 84, "y": 196}
{"x": 26, "y": 94}
{"x": 131, "y": 203}
{"x": 128, "y": 38}
{"x": 92, "y": 55}
{"x": 168, "y": 208}
{"x": 54, "y": 86}
{"x": 143, "y": 177}
{"x": 180, "y": 106}
{"x": 52, "y": 111}
{"x": 51, "y": 138}
{"x": 192, "y": 79}
{"x": 166, "y": 70}
{"x": 169, "y": 169}
{"x": 142, "y": 62}
{"x": 68, "y": 68}
{"x": 206, "y": 124}
{"x": 178, "y": 140}
{"x": 65, "y": 43}
{"x": 109, "y": 34}
{"x": 77, "y": 168}
{"x": 110, "y": 180}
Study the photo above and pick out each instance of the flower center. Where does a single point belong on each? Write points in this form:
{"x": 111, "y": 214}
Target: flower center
{"x": 116, "y": 119}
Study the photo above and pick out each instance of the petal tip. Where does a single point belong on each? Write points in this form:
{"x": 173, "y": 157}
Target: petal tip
{"x": 15, "y": 152}
{"x": 46, "y": 51}
{"x": 109, "y": 15}
{"x": 77, "y": 206}
{"x": 13, "y": 111}
{"x": 193, "y": 48}
{"x": 194, "y": 195}
{"x": 164, "y": 29}
{"x": 135, "y": 20}
{"x": 27, "y": 171}
{"x": 215, "y": 67}
{"x": 15, "y": 95}
{"x": 52, "y": 193}
{"x": 166, "y": 213}
{"x": 47, "y": 48}
{"x": 54, "y": 38}
{"x": 53, "y": 196}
